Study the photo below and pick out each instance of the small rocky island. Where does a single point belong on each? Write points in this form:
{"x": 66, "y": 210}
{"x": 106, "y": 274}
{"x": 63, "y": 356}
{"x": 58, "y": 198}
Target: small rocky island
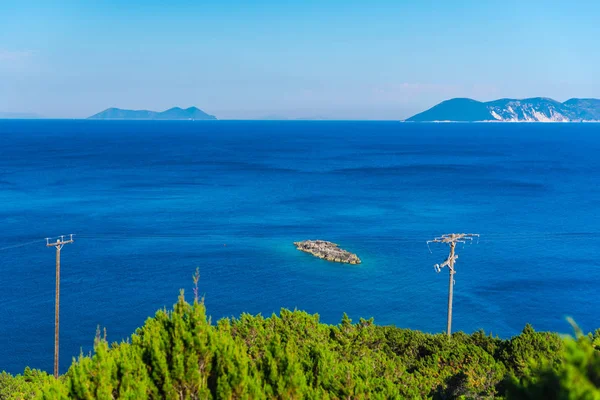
{"x": 327, "y": 251}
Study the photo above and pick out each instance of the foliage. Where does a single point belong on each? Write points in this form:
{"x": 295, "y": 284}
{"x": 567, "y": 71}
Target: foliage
{"x": 530, "y": 348}
{"x": 179, "y": 354}
{"x": 577, "y": 376}
{"x": 26, "y": 386}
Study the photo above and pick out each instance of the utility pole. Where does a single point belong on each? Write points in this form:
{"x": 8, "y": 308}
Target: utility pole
{"x": 451, "y": 239}
{"x": 60, "y": 242}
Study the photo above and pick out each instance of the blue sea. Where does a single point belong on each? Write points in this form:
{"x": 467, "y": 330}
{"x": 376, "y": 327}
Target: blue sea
{"x": 150, "y": 202}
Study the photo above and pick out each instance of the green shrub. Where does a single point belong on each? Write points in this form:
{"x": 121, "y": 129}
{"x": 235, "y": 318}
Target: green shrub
{"x": 179, "y": 354}
{"x": 576, "y": 376}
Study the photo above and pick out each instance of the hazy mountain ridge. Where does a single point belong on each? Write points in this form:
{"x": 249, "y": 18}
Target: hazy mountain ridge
{"x": 175, "y": 113}
{"x": 537, "y": 109}
{"x": 17, "y": 115}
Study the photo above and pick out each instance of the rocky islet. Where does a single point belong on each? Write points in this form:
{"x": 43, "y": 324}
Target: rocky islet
{"x": 327, "y": 251}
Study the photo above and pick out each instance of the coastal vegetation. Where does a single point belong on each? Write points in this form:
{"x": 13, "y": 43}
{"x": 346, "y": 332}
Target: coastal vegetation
{"x": 181, "y": 354}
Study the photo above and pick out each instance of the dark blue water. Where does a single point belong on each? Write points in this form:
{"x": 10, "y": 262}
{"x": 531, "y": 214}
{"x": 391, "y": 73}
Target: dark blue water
{"x": 151, "y": 201}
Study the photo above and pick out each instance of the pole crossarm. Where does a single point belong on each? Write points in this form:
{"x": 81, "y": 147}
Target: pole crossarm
{"x": 60, "y": 242}
{"x": 454, "y": 238}
{"x": 451, "y": 239}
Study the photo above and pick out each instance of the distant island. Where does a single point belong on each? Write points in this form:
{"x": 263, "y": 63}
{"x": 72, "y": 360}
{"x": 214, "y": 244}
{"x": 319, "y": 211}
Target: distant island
{"x": 175, "y": 113}
{"x": 538, "y": 109}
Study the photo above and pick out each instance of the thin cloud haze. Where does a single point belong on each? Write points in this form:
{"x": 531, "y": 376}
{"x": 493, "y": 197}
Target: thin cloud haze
{"x": 11, "y": 56}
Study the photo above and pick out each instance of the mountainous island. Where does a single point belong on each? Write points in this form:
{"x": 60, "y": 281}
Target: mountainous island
{"x": 175, "y": 113}
{"x": 538, "y": 109}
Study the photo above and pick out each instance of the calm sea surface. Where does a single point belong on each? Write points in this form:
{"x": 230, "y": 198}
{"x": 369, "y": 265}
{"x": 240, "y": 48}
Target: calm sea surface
{"x": 151, "y": 201}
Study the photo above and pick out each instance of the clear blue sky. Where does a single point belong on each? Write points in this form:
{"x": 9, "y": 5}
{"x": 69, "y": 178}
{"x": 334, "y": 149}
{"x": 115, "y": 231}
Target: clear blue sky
{"x": 253, "y": 59}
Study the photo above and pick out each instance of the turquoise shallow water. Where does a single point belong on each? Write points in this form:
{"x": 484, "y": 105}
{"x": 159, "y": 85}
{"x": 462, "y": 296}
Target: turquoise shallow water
{"x": 151, "y": 201}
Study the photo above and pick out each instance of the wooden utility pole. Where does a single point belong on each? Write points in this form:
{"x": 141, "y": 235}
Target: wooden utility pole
{"x": 60, "y": 242}
{"x": 451, "y": 239}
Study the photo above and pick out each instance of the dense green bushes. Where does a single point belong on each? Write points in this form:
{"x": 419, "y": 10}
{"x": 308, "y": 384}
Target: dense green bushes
{"x": 575, "y": 376}
{"x": 29, "y": 385}
{"x": 181, "y": 355}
